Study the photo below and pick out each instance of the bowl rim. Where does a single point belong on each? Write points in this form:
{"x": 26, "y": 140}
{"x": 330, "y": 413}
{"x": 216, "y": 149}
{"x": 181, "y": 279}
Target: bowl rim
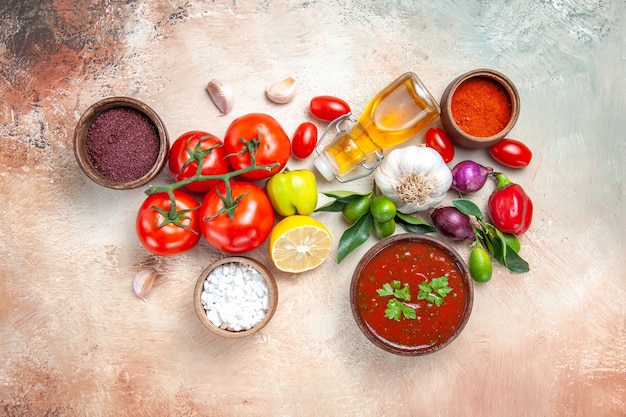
{"x": 417, "y": 237}
{"x": 271, "y": 286}
{"x": 80, "y": 137}
{"x": 454, "y": 130}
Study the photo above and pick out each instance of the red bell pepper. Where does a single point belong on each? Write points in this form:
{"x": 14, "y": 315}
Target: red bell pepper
{"x": 510, "y": 208}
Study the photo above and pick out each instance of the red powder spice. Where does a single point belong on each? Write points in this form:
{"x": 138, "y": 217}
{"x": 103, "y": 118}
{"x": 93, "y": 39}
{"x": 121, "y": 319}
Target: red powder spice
{"x": 122, "y": 144}
{"x": 481, "y": 107}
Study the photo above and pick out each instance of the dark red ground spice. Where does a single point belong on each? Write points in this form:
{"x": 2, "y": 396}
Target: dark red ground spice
{"x": 122, "y": 144}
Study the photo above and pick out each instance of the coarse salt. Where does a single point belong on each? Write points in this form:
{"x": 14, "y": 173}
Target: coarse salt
{"x": 235, "y": 296}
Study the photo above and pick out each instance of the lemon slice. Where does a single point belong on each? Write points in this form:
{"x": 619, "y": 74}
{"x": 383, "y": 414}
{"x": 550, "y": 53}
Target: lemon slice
{"x": 299, "y": 243}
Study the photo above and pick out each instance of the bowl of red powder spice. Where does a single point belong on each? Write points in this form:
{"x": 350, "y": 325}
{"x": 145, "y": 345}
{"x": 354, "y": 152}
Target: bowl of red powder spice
{"x": 120, "y": 143}
{"x": 479, "y": 108}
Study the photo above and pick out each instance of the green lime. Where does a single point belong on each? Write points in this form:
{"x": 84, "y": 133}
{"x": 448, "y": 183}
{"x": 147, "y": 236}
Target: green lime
{"x": 383, "y": 209}
{"x": 512, "y": 242}
{"x": 480, "y": 265}
{"x": 384, "y": 229}
{"x": 354, "y": 210}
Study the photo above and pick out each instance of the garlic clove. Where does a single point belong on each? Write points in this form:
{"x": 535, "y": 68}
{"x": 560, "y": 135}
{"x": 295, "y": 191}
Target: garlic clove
{"x": 222, "y": 95}
{"x": 283, "y": 91}
{"x": 142, "y": 283}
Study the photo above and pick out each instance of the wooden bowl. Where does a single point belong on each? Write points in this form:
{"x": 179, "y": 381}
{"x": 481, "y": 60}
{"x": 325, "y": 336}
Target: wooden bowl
{"x": 456, "y": 132}
{"x": 411, "y": 259}
{"x": 223, "y": 330}
{"x": 86, "y": 162}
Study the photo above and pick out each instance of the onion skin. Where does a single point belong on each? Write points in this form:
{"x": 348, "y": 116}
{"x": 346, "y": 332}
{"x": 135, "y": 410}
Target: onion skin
{"x": 469, "y": 176}
{"x": 453, "y": 224}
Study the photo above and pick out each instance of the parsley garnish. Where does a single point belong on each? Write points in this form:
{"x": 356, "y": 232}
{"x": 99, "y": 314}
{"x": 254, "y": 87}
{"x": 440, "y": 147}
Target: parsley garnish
{"x": 433, "y": 292}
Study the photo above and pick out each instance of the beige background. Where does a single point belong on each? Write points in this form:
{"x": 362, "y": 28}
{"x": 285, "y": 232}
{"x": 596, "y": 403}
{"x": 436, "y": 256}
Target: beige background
{"x": 74, "y": 340}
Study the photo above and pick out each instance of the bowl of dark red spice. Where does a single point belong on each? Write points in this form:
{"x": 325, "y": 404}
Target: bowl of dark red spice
{"x": 121, "y": 143}
{"x": 479, "y": 108}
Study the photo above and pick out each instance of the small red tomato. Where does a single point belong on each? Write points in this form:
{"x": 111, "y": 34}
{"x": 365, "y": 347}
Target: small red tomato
{"x": 304, "y": 140}
{"x": 438, "y": 140}
{"x": 328, "y": 108}
{"x": 511, "y": 152}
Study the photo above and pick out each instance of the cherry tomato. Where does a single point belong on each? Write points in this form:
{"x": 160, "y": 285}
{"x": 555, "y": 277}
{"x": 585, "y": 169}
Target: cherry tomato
{"x": 438, "y": 140}
{"x": 196, "y": 147}
{"x": 262, "y": 134}
{"x": 304, "y": 140}
{"x": 328, "y": 108}
{"x": 164, "y": 231}
{"x": 244, "y": 228}
{"x": 511, "y": 152}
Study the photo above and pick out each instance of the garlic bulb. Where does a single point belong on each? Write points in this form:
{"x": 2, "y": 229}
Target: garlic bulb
{"x": 416, "y": 178}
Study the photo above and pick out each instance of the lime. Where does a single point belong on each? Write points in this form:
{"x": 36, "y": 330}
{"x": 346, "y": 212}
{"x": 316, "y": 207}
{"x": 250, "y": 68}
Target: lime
{"x": 354, "y": 210}
{"x": 480, "y": 265}
{"x": 383, "y": 209}
{"x": 384, "y": 229}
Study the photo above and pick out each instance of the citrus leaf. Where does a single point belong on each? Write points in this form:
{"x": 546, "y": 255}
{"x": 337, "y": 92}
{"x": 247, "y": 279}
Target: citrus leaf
{"x": 467, "y": 207}
{"x": 344, "y": 196}
{"x": 354, "y": 236}
{"x": 413, "y": 224}
{"x": 334, "y": 206}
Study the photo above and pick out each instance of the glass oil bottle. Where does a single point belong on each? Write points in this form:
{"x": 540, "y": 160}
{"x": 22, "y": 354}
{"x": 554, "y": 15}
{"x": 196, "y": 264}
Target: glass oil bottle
{"x": 391, "y": 117}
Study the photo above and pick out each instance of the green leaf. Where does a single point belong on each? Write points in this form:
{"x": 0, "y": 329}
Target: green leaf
{"x": 344, "y": 196}
{"x": 434, "y": 291}
{"x": 333, "y": 206}
{"x": 408, "y": 312}
{"x": 467, "y": 207}
{"x": 354, "y": 236}
{"x": 385, "y": 290}
{"x": 413, "y": 224}
{"x": 404, "y": 293}
{"x": 515, "y": 263}
{"x": 394, "y": 309}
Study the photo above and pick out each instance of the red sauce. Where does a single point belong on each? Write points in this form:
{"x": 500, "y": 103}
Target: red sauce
{"x": 412, "y": 262}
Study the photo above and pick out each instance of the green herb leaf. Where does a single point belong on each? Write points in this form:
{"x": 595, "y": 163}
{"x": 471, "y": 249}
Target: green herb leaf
{"x": 413, "y": 224}
{"x": 394, "y": 309}
{"x": 467, "y": 207}
{"x": 385, "y": 290}
{"x": 404, "y": 293}
{"x": 434, "y": 291}
{"x": 354, "y": 236}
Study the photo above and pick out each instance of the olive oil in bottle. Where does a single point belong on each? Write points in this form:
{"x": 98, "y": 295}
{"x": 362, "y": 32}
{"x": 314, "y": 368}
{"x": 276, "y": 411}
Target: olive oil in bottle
{"x": 392, "y": 117}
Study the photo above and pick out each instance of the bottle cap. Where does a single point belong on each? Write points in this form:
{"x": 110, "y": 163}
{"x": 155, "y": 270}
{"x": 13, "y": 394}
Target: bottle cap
{"x": 324, "y": 168}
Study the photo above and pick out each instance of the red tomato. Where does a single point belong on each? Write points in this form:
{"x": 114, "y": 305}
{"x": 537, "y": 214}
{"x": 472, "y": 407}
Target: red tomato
{"x": 511, "y": 152}
{"x": 438, "y": 140}
{"x": 166, "y": 233}
{"x": 247, "y": 227}
{"x": 262, "y": 134}
{"x": 192, "y": 148}
{"x": 304, "y": 140}
{"x": 328, "y": 108}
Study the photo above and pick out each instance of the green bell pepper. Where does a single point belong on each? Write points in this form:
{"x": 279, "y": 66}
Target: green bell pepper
{"x": 293, "y": 192}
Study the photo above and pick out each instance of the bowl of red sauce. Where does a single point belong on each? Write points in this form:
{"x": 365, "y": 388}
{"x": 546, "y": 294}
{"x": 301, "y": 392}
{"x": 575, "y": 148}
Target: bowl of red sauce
{"x": 121, "y": 143}
{"x": 411, "y": 294}
{"x": 479, "y": 108}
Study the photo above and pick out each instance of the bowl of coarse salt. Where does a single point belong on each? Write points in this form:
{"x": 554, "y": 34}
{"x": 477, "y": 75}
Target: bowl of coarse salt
{"x": 235, "y": 297}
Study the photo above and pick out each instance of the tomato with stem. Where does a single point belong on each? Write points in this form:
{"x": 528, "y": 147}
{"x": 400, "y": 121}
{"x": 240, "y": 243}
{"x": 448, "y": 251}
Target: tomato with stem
{"x": 236, "y": 216}
{"x": 168, "y": 223}
{"x": 257, "y": 136}
{"x": 196, "y": 149}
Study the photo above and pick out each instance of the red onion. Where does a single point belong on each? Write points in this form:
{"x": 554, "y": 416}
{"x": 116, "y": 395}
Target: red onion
{"x": 453, "y": 224}
{"x": 469, "y": 176}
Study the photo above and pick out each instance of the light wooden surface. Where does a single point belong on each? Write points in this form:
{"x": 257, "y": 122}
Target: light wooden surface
{"x": 74, "y": 340}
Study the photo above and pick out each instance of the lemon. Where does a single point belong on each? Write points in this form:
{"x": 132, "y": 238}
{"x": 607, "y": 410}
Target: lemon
{"x": 299, "y": 243}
